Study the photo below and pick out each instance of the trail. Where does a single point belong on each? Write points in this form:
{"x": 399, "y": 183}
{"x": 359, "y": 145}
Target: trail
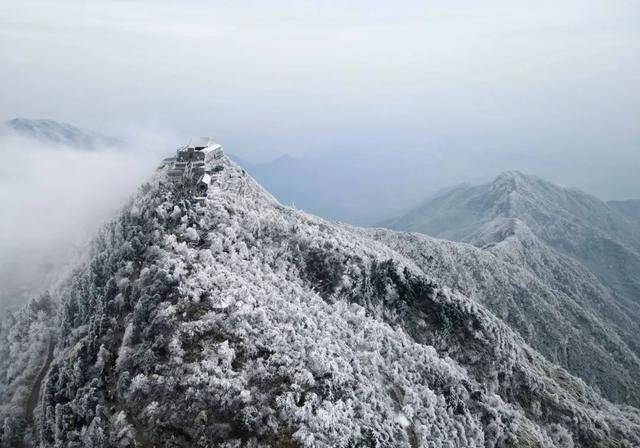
{"x": 34, "y": 397}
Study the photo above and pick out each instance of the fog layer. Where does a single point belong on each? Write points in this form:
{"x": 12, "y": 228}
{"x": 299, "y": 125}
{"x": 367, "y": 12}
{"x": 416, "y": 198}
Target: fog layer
{"x": 53, "y": 199}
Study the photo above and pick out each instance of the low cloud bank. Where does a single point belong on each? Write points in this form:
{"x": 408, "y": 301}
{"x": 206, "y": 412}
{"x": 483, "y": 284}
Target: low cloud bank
{"x": 55, "y": 198}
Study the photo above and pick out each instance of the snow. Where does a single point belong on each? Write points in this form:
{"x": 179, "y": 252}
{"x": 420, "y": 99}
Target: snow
{"x": 560, "y": 266}
{"x": 276, "y": 328}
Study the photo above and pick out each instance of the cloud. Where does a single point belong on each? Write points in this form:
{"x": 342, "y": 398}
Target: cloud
{"x": 275, "y": 77}
{"x": 54, "y": 199}
{"x": 464, "y": 88}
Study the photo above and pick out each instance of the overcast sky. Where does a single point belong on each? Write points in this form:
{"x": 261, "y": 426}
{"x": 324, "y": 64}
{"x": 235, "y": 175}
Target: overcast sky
{"x": 549, "y": 87}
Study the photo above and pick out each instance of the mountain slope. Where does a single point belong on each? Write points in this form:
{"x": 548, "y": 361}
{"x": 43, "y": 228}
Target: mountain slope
{"x": 569, "y": 221}
{"x": 558, "y": 307}
{"x": 239, "y": 322}
{"x": 575, "y": 254}
{"x": 58, "y": 133}
{"x": 630, "y": 208}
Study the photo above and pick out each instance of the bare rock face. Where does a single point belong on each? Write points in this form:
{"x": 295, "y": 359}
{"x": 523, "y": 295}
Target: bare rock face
{"x": 234, "y": 321}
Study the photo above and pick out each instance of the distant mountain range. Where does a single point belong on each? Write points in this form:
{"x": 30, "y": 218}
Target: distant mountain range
{"x": 360, "y": 186}
{"x": 334, "y": 186}
{"x": 30, "y": 271}
{"x": 58, "y": 133}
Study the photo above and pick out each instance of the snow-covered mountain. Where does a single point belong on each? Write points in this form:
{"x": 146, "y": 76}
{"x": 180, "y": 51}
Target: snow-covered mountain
{"x": 630, "y": 208}
{"x": 559, "y": 265}
{"x": 573, "y": 223}
{"x": 234, "y": 321}
{"x": 554, "y": 303}
{"x": 58, "y": 133}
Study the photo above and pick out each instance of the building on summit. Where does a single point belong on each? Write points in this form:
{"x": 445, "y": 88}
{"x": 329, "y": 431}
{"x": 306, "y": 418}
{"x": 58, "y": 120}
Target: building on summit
{"x": 194, "y": 164}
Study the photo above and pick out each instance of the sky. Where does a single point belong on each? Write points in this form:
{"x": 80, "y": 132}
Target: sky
{"x": 379, "y": 104}
{"x": 278, "y": 77}
{"x": 548, "y": 87}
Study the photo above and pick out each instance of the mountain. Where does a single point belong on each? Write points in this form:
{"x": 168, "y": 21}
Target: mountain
{"x": 630, "y": 208}
{"x": 571, "y": 222}
{"x": 359, "y": 186}
{"x": 554, "y": 303}
{"x": 58, "y": 133}
{"x": 235, "y": 321}
{"x": 555, "y": 263}
{"x": 323, "y": 186}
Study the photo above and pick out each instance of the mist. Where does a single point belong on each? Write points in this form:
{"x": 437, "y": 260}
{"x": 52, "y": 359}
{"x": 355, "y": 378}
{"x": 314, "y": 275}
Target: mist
{"x": 54, "y": 199}
{"x": 376, "y": 106}
{"x": 311, "y": 78}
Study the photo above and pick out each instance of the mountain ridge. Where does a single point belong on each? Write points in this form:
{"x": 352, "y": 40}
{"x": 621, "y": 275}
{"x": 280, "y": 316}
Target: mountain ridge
{"x": 628, "y": 207}
{"x": 60, "y": 133}
{"x": 238, "y": 321}
{"x": 570, "y": 221}
{"x": 551, "y": 300}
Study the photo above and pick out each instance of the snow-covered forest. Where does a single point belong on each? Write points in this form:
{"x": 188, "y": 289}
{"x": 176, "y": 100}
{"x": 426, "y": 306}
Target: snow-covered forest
{"x": 235, "y": 321}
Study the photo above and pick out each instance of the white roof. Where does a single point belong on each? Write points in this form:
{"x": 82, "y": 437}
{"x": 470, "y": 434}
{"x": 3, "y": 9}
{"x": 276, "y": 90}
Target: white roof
{"x": 214, "y": 146}
{"x": 202, "y": 142}
{"x": 206, "y": 178}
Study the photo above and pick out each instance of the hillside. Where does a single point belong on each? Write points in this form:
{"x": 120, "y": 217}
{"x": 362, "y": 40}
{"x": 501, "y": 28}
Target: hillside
{"x": 555, "y": 263}
{"x": 573, "y": 223}
{"x": 630, "y": 208}
{"x": 235, "y": 321}
{"x": 58, "y": 133}
{"x": 556, "y": 305}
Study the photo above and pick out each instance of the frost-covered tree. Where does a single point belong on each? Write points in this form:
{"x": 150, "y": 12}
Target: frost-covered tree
{"x": 239, "y": 322}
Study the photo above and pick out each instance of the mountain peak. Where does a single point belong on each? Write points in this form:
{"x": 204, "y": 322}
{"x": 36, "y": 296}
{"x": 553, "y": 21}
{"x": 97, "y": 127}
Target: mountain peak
{"x": 567, "y": 219}
{"x": 218, "y": 317}
{"x": 512, "y": 174}
{"x": 516, "y": 179}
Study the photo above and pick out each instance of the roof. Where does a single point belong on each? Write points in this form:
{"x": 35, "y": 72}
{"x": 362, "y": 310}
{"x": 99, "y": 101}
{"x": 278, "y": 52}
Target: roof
{"x": 206, "y": 178}
{"x": 201, "y": 142}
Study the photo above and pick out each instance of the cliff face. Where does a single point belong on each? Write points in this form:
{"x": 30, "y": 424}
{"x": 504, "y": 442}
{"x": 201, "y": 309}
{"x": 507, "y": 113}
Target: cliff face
{"x": 235, "y": 321}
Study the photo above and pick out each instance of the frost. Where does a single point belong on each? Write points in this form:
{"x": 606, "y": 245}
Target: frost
{"x": 402, "y": 420}
{"x": 176, "y": 212}
{"x": 191, "y": 234}
{"x": 281, "y": 329}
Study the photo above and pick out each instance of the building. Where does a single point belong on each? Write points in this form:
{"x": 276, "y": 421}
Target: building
{"x": 203, "y": 183}
{"x": 195, "y": 164}
{"x": 200, "y": 149}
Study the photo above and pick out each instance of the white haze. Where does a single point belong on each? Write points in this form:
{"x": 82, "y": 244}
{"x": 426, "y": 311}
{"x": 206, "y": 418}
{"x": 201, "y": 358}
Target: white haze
{"x": 543, "y": 81}
{"x": 385, "y": 102}
{"x": 54, "y": 198}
